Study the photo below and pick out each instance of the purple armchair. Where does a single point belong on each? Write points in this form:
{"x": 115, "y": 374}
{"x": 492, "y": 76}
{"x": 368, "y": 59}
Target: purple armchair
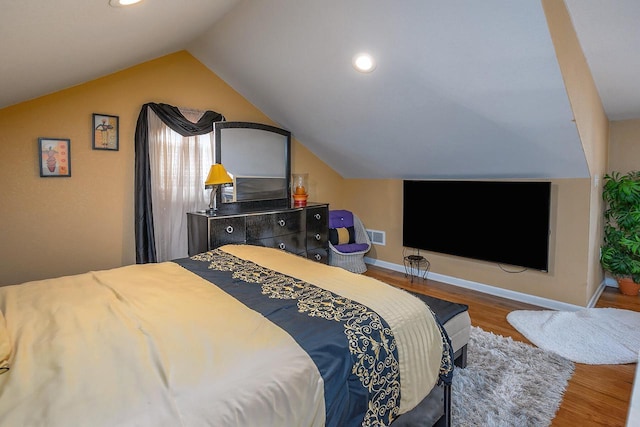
{"x": 348, "y": 241}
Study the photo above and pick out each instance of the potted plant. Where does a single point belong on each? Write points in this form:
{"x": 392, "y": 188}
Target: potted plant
{"x": 620, "y": 253}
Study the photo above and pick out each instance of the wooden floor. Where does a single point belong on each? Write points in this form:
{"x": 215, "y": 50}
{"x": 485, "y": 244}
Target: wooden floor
{"x": 597, "y": 395}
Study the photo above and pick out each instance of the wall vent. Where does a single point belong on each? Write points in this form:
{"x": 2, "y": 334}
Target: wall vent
{"x": 377, "y": 237}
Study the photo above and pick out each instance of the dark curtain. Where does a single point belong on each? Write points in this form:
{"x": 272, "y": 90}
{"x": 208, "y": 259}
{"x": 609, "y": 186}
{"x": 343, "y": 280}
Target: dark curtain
{"x": 172, "y": 117}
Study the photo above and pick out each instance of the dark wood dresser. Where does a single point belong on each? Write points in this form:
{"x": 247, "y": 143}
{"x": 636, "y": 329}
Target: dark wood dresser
{"x": 299, "y": 230}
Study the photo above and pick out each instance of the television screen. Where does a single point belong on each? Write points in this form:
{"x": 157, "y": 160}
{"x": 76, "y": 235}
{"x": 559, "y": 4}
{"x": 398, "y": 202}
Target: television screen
{"x": 496, "y": 221}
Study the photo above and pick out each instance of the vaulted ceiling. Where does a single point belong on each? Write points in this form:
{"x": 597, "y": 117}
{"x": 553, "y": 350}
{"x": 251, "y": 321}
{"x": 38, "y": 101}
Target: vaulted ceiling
{"x": 462, "y": 89}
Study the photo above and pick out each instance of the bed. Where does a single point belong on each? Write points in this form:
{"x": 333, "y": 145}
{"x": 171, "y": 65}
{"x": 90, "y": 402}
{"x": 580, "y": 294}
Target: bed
{"x": 238, "y": 336}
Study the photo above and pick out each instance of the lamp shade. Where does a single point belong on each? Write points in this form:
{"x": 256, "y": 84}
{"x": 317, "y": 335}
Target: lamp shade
{"x": 217, "y": 175}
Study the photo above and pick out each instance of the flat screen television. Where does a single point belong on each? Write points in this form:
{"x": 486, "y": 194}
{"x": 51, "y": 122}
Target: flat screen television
{"x": 496, "y": 221}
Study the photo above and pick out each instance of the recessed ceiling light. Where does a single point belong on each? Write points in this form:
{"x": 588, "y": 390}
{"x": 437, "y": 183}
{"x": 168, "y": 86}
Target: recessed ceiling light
{"x": 364, "y": 63}
{"x": 121, "y": 3}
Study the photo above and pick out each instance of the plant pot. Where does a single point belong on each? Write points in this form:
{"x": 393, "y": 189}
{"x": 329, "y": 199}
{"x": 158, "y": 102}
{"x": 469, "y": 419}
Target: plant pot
{"x": 628, "y": 287}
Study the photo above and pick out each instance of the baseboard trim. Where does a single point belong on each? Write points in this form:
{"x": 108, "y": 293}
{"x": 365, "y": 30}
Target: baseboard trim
{"x": 596, "y": 295}
{"x": 492, "y": 290}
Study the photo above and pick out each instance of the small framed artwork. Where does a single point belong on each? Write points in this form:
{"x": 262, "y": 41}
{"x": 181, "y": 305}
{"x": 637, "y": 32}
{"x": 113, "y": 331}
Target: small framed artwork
{"x": 55, "y": 157}
{"x": 105, "y": 132}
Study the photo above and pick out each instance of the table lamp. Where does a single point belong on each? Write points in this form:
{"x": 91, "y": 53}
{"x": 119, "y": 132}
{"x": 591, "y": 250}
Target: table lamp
{"x": 217, "y": 176}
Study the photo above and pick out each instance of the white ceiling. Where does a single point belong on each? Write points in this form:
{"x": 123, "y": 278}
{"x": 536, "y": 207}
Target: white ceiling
{"x": 609, "y": 32}
{"x": 463, "y": 89}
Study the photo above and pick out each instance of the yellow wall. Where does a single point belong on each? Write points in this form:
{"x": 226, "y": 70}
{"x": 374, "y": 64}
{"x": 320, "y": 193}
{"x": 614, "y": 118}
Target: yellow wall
{"x": 325, "y": 185}
{"x": 624, "y": 147}
{"x": 379, "y": 205}
{"x": 60, "y": 226}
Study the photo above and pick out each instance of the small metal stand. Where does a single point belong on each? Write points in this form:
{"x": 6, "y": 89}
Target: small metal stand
{"x": 416, "y": 266}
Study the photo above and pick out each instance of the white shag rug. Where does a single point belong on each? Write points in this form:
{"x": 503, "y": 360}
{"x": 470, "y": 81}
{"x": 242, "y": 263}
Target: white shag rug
{"x": 507, "y": 383}
{"x": 594, "y": 336}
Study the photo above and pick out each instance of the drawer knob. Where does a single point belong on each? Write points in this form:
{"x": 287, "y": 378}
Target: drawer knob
{"x": 318, "y": 237}
{"x": 281, "y": 245}
{"x": 317, "y": 216}
{"x": 318, "y": 257}
{"x": 281, "y": 223}
{"x": 229, "y": 229}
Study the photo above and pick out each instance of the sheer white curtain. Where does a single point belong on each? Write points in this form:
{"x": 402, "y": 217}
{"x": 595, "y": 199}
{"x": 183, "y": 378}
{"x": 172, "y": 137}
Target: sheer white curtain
{"x": 179, "y": 167}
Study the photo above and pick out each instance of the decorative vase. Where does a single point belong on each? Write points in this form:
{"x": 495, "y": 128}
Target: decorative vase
{"x": 300, "y": 183}
{"x": 299, "y": 188}
{"x": 628, "y": 287}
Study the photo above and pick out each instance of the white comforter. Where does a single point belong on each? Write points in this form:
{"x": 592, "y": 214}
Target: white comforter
{"x": 155, "y": 345}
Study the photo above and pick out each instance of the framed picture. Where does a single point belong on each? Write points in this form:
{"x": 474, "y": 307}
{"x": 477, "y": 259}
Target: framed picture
{"x": 105, "y": 132}
{"x": 55, "y": 157}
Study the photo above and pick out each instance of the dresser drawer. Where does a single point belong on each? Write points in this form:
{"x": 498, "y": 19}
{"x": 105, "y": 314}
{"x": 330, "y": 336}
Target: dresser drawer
{"x": 274, "y": 224}
{"x": 316, "y": 240}
{"x": 317, "y": 219}
{"x": 225, "y": 230}
{"x": 317, "y": 227}
{"x": 294, "y": 242}
{"x": 318, "y": 254}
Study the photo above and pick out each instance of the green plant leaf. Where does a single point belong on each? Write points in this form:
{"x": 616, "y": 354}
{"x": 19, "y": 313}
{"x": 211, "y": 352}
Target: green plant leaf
{"x": 620, "y": 252}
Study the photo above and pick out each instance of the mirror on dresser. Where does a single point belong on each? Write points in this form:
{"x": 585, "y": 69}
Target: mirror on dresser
{"x": 258, "y": 158}
{"x": 257, "y": 208}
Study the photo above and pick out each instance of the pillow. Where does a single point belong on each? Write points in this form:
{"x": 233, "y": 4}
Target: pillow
{"x": 5, "y": 345}
{"x": 340, "y": 218}
{"x": 342, "y": 235}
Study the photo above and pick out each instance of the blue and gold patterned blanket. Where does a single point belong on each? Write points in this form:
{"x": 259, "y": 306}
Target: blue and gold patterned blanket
{"x": 353, "y": 346}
